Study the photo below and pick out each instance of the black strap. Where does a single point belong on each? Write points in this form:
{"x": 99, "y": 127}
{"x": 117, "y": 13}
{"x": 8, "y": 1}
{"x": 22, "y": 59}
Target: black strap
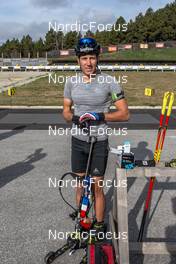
{"x": 100, "y": 255}
{"x": 145, "y": 163}
{"x": 75, "y": 120}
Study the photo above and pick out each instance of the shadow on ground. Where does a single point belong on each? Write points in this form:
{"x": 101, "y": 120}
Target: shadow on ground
{"x": 18, "y": 169}
{"x": 15, "y": 131}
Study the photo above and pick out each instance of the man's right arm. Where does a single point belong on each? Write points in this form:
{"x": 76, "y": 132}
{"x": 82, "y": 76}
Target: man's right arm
{"x": 67, "y": 113}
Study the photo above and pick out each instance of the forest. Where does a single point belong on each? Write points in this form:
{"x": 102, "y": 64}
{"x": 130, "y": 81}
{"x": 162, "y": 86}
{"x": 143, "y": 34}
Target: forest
{"x": 153, "y": 26}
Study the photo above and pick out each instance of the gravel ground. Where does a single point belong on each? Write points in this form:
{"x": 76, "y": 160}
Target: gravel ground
{"x": 29, "y": 208}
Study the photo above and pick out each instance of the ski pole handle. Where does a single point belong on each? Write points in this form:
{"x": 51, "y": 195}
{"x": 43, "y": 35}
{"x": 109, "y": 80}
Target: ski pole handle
{"x": 163, "y": 109}
{"x": 165, "y": 100}
{"x": 171, "y": 101}
{"x": 167, "y": 96}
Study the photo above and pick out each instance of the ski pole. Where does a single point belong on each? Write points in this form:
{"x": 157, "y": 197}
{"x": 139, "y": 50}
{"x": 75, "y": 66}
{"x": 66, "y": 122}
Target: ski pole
{"x": 162, "y": 128}
{"x": 167, "y": 102}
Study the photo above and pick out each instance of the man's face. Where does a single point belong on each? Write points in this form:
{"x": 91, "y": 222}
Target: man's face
{"x": 88, "y": 64}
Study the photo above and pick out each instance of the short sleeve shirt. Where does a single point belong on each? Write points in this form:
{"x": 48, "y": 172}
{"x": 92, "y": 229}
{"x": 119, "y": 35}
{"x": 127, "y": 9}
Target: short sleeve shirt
{"x": 96, "y": 96}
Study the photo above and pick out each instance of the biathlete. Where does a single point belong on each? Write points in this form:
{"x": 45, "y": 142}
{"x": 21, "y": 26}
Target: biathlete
{"x": 92, "y": 95}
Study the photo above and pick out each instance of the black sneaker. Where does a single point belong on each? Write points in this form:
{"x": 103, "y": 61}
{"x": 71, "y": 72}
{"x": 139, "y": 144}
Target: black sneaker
{"x": 98, "y": 231}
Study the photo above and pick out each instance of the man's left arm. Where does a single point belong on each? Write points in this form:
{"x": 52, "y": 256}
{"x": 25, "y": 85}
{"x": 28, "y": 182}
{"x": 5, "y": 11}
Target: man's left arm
{"x": 121, "y": 113}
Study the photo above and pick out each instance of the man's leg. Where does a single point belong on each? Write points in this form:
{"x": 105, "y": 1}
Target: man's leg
{"x": 79, "y": 190}
{"x": 99, "y": 198}
{"x": 79, "y": 162}
{"x": 98, "y": 167}
{"x": 99, "y": 226}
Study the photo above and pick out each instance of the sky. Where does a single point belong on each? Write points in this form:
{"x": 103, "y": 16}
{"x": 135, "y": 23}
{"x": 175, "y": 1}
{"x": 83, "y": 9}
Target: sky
{"x": 22, "y": 17}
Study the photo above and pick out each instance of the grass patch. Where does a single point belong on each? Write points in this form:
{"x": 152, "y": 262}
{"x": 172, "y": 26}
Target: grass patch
{"x": 41, "y": 92}
{"x": 143, "y": 54}
{"x": 146, "y": 54}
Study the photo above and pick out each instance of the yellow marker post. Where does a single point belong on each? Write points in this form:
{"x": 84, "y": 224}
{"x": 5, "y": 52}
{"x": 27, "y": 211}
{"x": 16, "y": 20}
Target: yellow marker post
{"x": 149, "y": 91}
{"x": 11, "y": 91}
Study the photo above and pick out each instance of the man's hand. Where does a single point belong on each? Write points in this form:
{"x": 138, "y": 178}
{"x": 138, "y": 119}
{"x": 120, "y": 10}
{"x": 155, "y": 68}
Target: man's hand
{"x": 91, "y": 116}
{"x": 75, "y": 119}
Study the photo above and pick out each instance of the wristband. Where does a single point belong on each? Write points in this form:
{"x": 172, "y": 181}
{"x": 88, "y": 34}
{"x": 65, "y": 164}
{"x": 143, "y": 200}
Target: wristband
{"x": 75, "y": 119}
{"x": 101, "y": 116}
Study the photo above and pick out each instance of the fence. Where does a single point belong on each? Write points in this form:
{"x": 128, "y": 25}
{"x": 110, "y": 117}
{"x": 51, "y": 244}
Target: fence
{"x": 119, "y": 216}
{"x": 42, "y": 66}
{"x": 23, "y": 62}
{"x": 110, "y": 48}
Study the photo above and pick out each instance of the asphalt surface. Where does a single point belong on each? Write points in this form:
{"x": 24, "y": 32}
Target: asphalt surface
{"x": 41, "y": 119}
{"x": 29, "y": 208}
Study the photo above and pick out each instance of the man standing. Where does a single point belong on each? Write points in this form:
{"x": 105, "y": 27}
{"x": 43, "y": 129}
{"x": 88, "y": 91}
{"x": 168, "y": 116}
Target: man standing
{"x": 92, "y": 95}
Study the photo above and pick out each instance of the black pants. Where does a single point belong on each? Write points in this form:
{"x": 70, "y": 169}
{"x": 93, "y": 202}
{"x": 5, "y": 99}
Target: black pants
{"x": 80, "y": 152}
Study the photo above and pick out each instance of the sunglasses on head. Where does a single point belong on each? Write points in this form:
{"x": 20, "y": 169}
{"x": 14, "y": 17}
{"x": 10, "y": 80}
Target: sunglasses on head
{"x": 86, "y": 41}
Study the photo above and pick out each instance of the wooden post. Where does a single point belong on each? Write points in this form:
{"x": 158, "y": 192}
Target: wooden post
{"x": 119, "y": 215}
{"x": 156, "y": 248}
{"x": 122, "y": 217}
{"x": 113, "y": 230}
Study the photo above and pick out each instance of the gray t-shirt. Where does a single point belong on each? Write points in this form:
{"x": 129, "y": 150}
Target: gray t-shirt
{"x": 96, "y": 96}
